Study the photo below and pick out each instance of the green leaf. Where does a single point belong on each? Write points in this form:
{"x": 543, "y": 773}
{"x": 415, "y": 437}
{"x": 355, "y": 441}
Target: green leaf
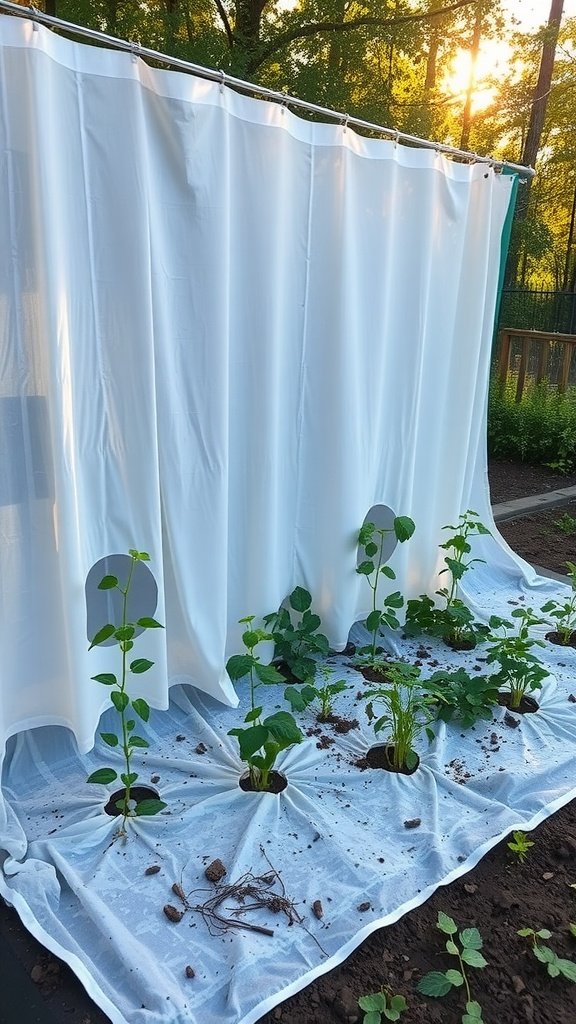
{"x": 373, "y": 621}
{"x": 146, "y": 808}
{"x": 474, "y": 1010}
{"x": 268, "y": 674}
{"x": 130, "y": 724}
{"x": 446, "y": 924}
{"x": 109, "y": 738}
{"x": 251, "y": 637}
{"x": 300, "y": 599}
{"x": 138, "y": 741}
{"x": 452, "y": 947}
{"x": 376, "y": 1002}
{"x": 398, "y": 1003}
{"x": 455, "y": 978}
{"x": 299, "y": 697}
{"x": 372, "y": 1017}
{"x": 124, "y": 632}
{"x": 567, "y": 968}
{"x": 388, "y": 572}
{"x": 471, "y": 938}
{"x": 434, "y": 984}
{"x": 104, "y": 776}
{"x": 572, "y": 930}
{"x": 141, "y": 708}
{"x": 103, "y": 634}
{"x": 140, "y": 665}
{"x": 543, "y": 934}
{"x": 108, "y": 583}
{"x": 394, "y": 600}
{"x": 239, "y": 666}
{"x": 251, "y": 740}
{"x": 371, "y": 549}
{"x": 403, "y": 527}
{"x": 283, "y": 728}
{"x": 473, "y": 958}
{"x": 107, "y": 678}
{"x": 119, "y": 700}
{"x": 128, "y": 779}
{"x": 147, "y": 623}
{"x": 253, "y": 714}
{"x": 525, "y": 932}
{"x": 365, "y": 568}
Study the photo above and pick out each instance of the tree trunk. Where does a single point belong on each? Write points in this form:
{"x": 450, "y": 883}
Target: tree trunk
{"x": 569, "y": 244}
{"x": 474, "y": 51}
{"x": 535, "y": 126}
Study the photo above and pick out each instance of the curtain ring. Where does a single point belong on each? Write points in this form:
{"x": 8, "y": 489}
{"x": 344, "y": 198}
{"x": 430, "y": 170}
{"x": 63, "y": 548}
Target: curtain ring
{"x": 222, "y": 79}
{"x": 284, "y": 103}
{"x": 396, "y": 138}
{"x": 345, "y": 122}
{"x": 34, "y": 12}
{"x": 135, "y": 48}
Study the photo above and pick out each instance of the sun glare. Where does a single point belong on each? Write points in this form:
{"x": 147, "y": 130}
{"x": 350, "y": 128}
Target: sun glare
{"x": 489, "y": 66}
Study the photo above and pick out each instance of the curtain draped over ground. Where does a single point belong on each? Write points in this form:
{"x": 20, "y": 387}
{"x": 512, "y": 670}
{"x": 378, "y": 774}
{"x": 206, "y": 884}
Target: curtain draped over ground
{"x": 225, "y": 333}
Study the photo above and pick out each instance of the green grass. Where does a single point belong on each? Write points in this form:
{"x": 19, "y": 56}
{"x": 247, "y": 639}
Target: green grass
{"x": 540, "y": 429}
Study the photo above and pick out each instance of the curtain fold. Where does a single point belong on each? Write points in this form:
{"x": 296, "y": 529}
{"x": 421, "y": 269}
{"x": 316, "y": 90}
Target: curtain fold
{"x": 225, "y": 333}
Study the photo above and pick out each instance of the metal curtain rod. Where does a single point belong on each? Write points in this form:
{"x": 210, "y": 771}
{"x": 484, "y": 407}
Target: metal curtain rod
{"x": 33, "y": 14}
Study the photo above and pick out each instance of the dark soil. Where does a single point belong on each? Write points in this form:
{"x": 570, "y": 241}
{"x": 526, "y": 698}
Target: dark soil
{"x": 540, "y": 540}
{"x": 381, "y": 755}
{"x": 498, "y": 897}
{"x": 277, "y": 782}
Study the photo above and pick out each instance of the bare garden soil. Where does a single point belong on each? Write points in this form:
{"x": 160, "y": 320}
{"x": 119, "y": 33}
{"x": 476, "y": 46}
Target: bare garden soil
{"x": 498, "y": 897}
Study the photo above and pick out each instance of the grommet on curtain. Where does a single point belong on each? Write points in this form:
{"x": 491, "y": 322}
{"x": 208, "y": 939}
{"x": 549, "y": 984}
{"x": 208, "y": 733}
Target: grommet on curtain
{"x": 222, "y": 79}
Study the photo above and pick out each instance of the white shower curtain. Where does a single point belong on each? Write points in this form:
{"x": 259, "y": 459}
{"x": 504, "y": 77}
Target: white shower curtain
{"x": 225, "y": 333}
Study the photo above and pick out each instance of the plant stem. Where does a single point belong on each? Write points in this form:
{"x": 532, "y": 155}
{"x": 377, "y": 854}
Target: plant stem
{"x": 125, "y": 744}
{"x": 375, "y": 591}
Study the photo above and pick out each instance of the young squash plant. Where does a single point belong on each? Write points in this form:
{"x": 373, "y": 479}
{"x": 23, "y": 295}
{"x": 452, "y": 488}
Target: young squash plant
{"x": 520, "y": 672}
{"x": 371, "y": 538}
{"x": 261, "y": 739}
{"x": 563, "y": 612}
{"x": 461, "y": 697}
{"x": 439, "y": 983}
{"x": 128, "y": 741}
{"x": 454, "y": 623}
{"x": 297, "y": 643}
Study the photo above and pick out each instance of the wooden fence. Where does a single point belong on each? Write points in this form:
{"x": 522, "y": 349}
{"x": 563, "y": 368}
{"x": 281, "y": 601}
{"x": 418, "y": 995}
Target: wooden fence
{"x": 530, "y": 342}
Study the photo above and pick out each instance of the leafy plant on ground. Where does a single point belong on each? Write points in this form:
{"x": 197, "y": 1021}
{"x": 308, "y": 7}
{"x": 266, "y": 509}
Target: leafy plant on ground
{"x": 555, "y": 965}
{"x": 262, "y": 739}
{"x": 123, "y": 634}
{"x": 566, "y": 524}
{"x": 382, "y": 1005}
{"x": 455, "y": 622}
{"x": 564, "y": 612}
{"x": 460, "y": 696}
{"x": 520, "y": 845}
{"x": 297, "y": 643}
{"x": 300, "y": 697}
{"x": 407, "y": 712}
{"x": 371, "y": 539}
{"x": 438, "y": 983}
{"x": 520, "y": 672}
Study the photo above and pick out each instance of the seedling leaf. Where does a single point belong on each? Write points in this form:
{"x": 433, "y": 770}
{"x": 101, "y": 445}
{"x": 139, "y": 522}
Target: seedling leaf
{"x": 107, "y": 678}
{"x": 403, "y": 527}
{"x": 376, "y": 1002}
{"x": 455, "y": 978}
{"x": 473, "y": 958}
{"x": 268, "y": 674}
{"x": 148, "y": 623}
{"x": 104, "y": 776}
{"x": 103, "y": 634}
{"x": 146, "y": 808}
{"x": 446, "y": 924}
{"x": 434, "y": 984}
{"x": 141, "y": 708}
{"x": 140, "y": 665}
{"x": 239, "y": 666}
{"x": 471, "y": 938}
{"x": 109, "y": 738}
{"x": 108, "y": 583}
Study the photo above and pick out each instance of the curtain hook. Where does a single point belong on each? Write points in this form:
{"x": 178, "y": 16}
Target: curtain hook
{"x": 222, "y": 80}
{"x": 284, "y": 104}
{"x": 34, "y": 12}
{"x": 396, "y": 138}
{"x": 345, "y": 122}
{"x": 135, "y": 47}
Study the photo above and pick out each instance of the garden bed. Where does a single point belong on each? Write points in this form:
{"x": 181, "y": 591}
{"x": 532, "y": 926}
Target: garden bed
{"x": 498, "y": 897}
{"x": 547, "y": 539}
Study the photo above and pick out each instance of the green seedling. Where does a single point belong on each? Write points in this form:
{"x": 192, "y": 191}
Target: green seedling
{"x": 300, "y": 697}
{"x": 297, "y": 644}
{"x": 371, "y": 539}
{"x": 381, "y": 1006}
{"x": 572, "y": 930}
{"x": 566, "y": 524}
{"x": 520, "y": 671}
{"x": 454, "y": 623}
{"x": 439, "y": 983}
{"x": 408, "y": 710}
{"x": 555, "y": 965}
{"x": 123, "y": 634}
{"x": 520, "y": 845}
{"x": 261, "y": 740}
{"x": 461, "y": 697}
{"x": 564, "y": 612}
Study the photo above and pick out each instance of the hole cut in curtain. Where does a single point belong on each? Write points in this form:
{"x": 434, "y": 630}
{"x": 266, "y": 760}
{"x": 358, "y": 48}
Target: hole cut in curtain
{"x": 225, "y": 334}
